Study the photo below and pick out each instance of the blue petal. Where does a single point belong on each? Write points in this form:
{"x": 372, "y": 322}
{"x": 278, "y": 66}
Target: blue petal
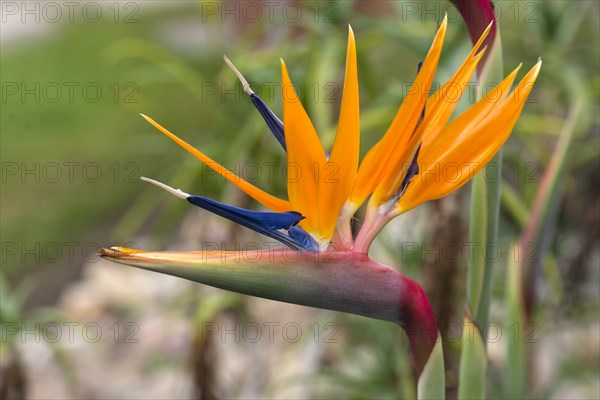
{"x": 274, "y": 123}
{"x": 267, "y": 223}
{"x": 304, "y": 238}
{"x": 413, "y": 170}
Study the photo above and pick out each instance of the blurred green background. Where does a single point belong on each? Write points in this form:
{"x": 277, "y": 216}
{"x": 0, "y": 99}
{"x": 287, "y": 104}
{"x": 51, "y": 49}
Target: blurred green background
{"x": 73, "y": 147}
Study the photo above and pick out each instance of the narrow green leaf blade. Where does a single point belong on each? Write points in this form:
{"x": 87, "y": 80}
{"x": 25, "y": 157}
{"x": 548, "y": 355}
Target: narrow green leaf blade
{"x": 492, "y": 72}
{"x": 515, "y": 319}
{"x": 478, "y": 237}
{"x": 473, "y": 363}
{"x": 431, "y": 383}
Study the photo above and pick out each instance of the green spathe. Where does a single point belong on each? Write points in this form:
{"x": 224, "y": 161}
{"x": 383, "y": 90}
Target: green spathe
{"x": 340, "y": 281}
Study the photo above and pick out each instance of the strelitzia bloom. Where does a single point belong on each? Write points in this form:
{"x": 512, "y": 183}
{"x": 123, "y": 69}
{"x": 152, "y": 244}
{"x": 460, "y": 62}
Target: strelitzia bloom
{"x": 323, "y": 265}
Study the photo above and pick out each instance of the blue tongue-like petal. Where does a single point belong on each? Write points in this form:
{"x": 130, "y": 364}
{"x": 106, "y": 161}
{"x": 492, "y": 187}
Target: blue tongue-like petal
{"x": 273, "y": 122}
{"x": 413, "y": 170}
{"x": 301, "y": 236}
{"x": 265, "y": 222}
{"x": 275, "y": 125}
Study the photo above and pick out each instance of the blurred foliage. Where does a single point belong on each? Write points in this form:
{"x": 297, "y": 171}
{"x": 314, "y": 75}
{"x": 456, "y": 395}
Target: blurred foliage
{"x": 17, "y": 322}
{"x": 167, "y": 64}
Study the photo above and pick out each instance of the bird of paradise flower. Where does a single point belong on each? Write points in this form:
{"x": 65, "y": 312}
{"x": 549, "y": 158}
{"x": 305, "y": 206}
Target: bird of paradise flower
{"x": 324, "y": 266}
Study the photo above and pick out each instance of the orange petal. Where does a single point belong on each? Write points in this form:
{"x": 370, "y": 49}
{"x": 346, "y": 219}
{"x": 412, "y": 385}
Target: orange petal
{"x": 438, "y": 111}
{"x": 340, "y": 170}
{"x": 433, "y": 101}
{"x": 269, "y": 201}
{"x": 306, "y": 157}
{"x": 376, "y": 165}
{"x": 446, "y": 172}
{"x": 490, "y": 102}
{"x": 434, "y": 121}
{"x": 435, "y": 145}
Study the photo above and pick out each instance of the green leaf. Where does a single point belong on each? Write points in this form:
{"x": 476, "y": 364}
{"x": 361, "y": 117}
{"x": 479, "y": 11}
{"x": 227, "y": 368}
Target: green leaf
{"x": 478, "y": 237}
{"x": 473, "y": 363}
{"x": 431, "y": 383}
{"x": 515, "y": 205}
{"x": 547, "y": 194}
{"x": 492, "y": 72}
{"x": 515, "y": 319}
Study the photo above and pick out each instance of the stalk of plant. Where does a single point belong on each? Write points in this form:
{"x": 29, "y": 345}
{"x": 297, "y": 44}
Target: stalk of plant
{"x": 484, "y": 214}
{"x": 323, "y": 265}
{"x": 485, "y": 194}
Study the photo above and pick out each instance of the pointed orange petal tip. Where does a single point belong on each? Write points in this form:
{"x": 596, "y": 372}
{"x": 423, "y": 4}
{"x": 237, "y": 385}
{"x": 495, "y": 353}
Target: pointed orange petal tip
{"x": 487, "y": 29}
{"x": 441, "y": 30}
{"x": 152, "y": 122}
{"x": 269, "y": 201}
{"x": 286, "y": 81}
{"x": 481, "y": 52}
{"x": 533, "y": 73}
{"x": 351, "y": 39}
{"x": 285, "y": 76}
{"x": 381, "y": 160}
{"x": 344, "y": 157}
